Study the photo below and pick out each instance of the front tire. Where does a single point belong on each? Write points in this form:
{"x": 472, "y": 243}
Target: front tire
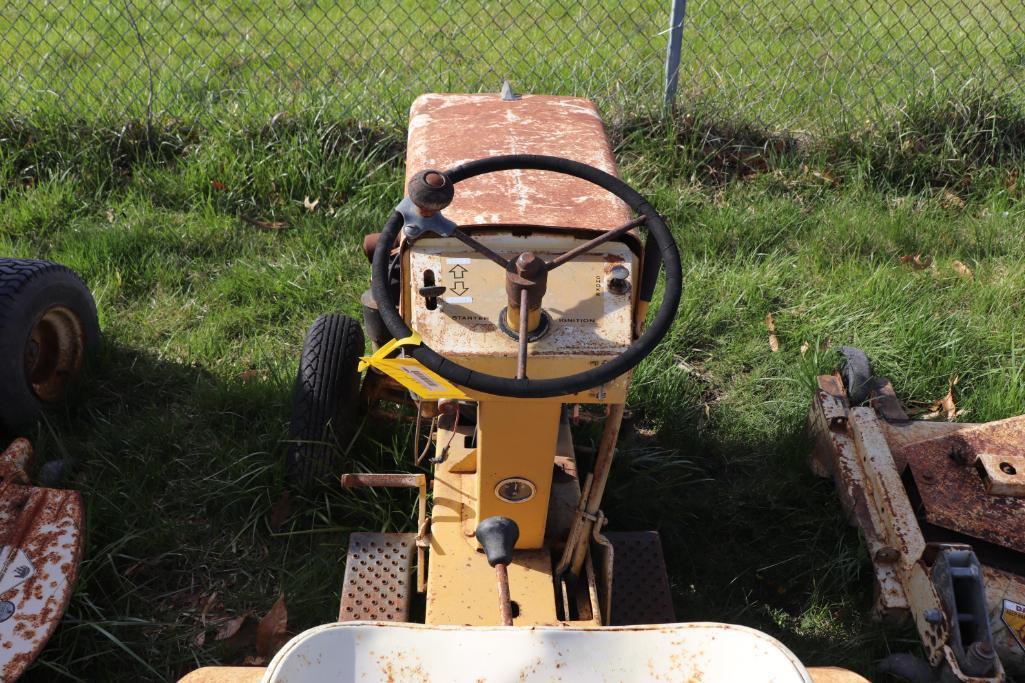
{"x": 325, "y": 402}
{"x": 48, "y": 329}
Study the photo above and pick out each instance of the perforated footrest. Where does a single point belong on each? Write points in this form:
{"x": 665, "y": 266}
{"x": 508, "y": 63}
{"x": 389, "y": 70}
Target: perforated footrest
{"x": 640, "y": 587}
{"x": 378, "y": 577}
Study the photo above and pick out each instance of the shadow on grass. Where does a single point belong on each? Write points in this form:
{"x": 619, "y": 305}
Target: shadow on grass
{"x": 752, "y": 537}
{"x": 180, "y": 471}
{"x": 968, "y": 142}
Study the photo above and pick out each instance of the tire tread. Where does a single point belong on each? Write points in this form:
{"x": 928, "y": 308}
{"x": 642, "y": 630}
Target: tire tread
{"x": 325, "y": 399}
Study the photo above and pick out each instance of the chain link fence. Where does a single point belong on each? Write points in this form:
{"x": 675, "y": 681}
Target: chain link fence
{"x": 813, "y": 64}
{"x": 808, "y": 64}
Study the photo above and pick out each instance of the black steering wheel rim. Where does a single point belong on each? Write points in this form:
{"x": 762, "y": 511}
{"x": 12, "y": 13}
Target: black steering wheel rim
{"x": 665, "y": 252}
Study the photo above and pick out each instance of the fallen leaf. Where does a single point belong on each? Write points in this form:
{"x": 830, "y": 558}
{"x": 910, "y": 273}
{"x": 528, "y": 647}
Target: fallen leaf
{"x": 280, "y": 511}
{"x": 264, "y": 225}
{"x": 310, "y": 205}
{"x": 1012, "y": 180}
{"x": 217, "y": 185}
{"x": 247, "y": 375}
{"x": 918, "y": 262}
{"x": 951, "y": 200}
{"x": 110, "y": 216}
{"x": 804, "y": 348}
{"x": 271, "y": 634}
{"x": 692, "y": 370}
{"x": 770, "y": 323}
{"x": 963, "y": 270}
{"x": 946, "y": 406}
{"x": 207, "y": 604}
{"x": 824, "y": 176}
{"x": 238, "y": 633}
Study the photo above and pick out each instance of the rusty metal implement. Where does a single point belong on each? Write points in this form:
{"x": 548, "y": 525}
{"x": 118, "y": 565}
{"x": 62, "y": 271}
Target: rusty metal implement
{"x": 927, "y": 496}
{"x": 40, "y": 546}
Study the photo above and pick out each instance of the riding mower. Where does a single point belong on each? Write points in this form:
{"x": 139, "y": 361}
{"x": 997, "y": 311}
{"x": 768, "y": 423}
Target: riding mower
{"x": 500, "y": 295}
{"x": 48, "y": 328}
{"x": 941, "y": 507}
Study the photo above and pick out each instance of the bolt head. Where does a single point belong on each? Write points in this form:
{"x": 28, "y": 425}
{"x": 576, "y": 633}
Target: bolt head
{"x": 887, "y": 555}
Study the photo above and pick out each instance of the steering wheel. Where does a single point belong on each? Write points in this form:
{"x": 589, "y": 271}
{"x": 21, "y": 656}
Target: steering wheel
{"x": 430, "y": 191}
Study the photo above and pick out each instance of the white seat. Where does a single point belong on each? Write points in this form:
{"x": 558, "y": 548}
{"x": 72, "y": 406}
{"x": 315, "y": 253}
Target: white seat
{"x": 368, "y": 652}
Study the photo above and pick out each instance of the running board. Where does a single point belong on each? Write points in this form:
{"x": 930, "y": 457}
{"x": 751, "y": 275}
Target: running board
{"x": 378, "y": 577}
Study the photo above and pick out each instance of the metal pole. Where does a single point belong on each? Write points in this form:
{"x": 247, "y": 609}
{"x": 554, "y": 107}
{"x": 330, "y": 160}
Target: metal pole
{"x": 579, "y": 538}
{"x": 673, "y": 51}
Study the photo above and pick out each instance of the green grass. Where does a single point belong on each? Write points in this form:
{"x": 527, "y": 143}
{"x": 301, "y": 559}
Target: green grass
{"x": 365, "y": 57}
{"x": 181, "y": 424}
{"x": 801, "y": 64}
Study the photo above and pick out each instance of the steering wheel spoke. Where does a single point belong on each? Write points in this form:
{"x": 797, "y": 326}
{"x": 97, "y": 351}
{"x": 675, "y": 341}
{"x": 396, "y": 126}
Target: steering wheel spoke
{"x": 480, "y": 248}
{"x": 596, "y": 242}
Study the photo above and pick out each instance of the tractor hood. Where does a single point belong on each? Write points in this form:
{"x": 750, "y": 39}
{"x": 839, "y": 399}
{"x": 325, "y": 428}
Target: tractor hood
{"x": 446, "y": 130}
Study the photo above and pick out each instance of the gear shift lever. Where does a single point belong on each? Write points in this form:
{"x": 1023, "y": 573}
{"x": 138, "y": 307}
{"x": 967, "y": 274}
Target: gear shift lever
{"x": 498, "y": 536}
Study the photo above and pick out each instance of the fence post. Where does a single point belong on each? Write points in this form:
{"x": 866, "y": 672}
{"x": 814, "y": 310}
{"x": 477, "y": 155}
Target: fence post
{"x": 673, "y": 52}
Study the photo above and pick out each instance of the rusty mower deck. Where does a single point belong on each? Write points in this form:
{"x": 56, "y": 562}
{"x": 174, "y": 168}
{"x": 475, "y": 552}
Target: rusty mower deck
{"x": 941, "y": 507}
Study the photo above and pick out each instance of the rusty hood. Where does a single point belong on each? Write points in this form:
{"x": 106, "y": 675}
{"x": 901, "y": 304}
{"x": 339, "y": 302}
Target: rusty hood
{"x": 446, "y": 130}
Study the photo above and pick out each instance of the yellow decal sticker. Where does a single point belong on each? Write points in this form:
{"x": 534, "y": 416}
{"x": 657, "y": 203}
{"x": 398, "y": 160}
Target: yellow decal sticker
{"x": 409, "y": 372}
{"x": 1013, "y": 616}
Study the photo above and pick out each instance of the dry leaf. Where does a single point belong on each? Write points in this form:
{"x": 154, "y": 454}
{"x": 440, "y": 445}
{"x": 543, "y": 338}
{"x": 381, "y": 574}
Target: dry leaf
{"x": 804, "y": 348}
{"x": 824, "y": 176}
{"x": 951, "y": 200}
{"x": 264, "y": 225}
{"x": 1012, "y": 180}
{"x": 207, "y": 604}
{"x": 110, "y": 216}
{"x": 280, "y": 511}
{"x": 310, "y": 205}
{"x": 271, "y": 633}
{"x": 692, "y": 370}
{"x": 200, "y": 639}
{"x": 217, "y": 185}
{"x": 770, "y": 323}
{"x": 236, "y": 631}
{"x": 918, "y": 262}
{"x": 947, "y": 405}
{"x": 963, "y": 270}
{"x": 247, "y": 375}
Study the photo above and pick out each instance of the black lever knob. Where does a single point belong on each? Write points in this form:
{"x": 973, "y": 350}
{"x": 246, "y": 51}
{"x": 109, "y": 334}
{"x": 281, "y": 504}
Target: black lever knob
{"x": 498, "y": 536}
{"x": 430, "y": 190}
{"x": 432, "y": 291}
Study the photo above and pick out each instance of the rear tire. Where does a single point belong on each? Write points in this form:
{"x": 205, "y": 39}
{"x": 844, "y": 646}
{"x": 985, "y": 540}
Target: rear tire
{"x": 325, "y": 402}
{"x": 48, "y": 329}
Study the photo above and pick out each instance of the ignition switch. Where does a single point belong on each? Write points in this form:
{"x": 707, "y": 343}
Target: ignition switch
{"x": 619, "y": 280}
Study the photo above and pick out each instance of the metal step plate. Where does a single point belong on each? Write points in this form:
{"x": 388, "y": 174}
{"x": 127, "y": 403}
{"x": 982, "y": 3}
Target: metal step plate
{"x": 378, "y": 577}
{"x": 640, "y": 587}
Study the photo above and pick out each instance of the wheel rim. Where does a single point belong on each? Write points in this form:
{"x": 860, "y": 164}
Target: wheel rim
{"x": 54, "y": 352}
